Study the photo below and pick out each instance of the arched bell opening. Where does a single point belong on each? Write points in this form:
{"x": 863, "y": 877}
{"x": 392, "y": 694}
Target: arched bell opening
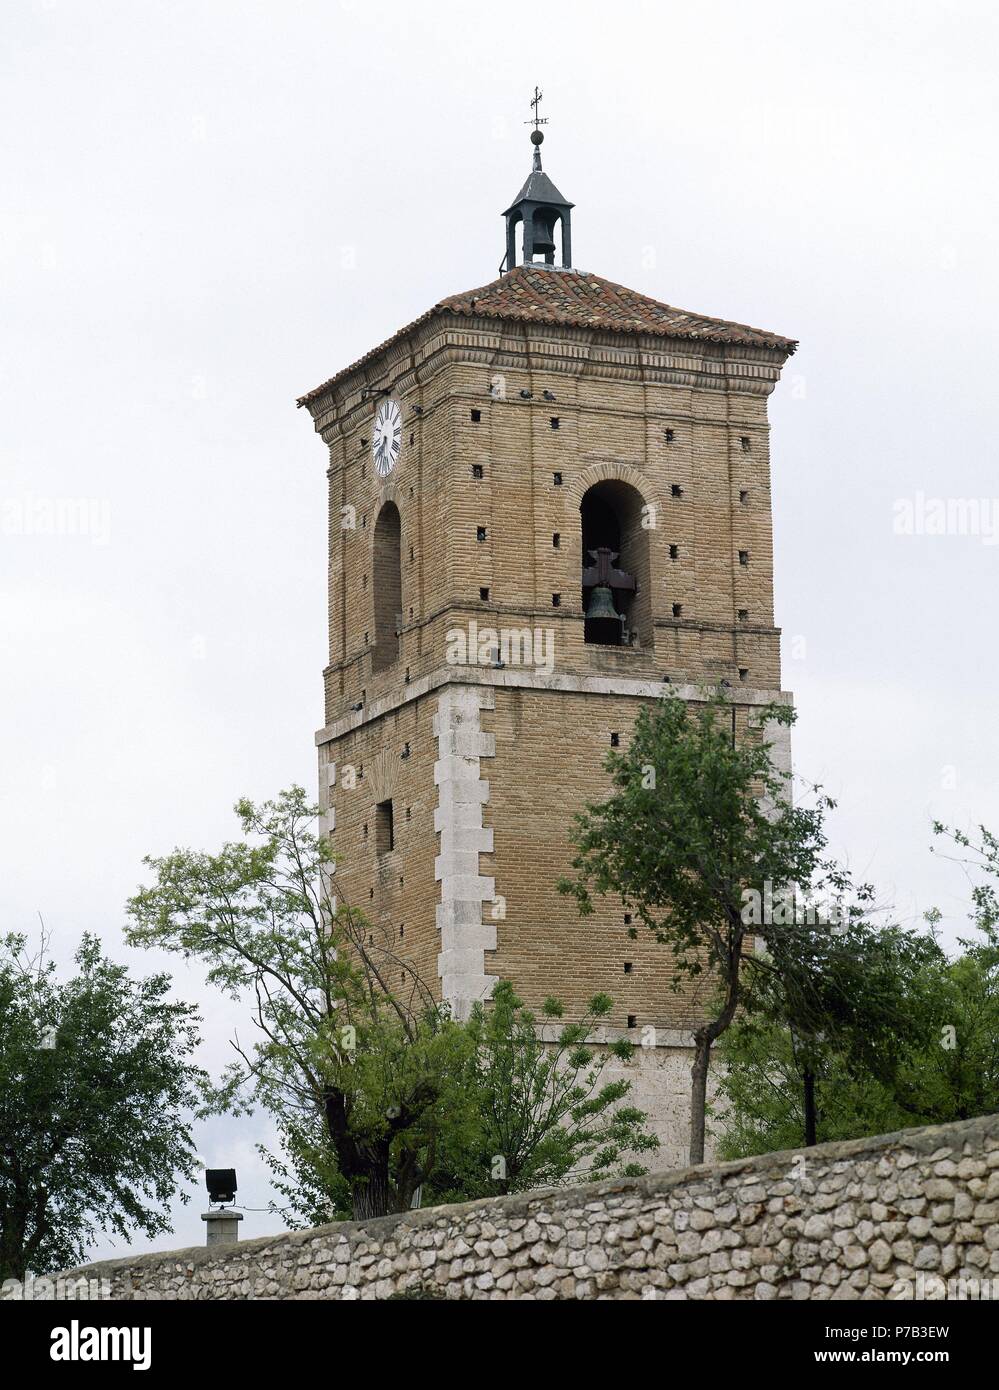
{"x": 543, "y": 225}
{"x": 615, "y": 577}
{"x": 386, "y": 572}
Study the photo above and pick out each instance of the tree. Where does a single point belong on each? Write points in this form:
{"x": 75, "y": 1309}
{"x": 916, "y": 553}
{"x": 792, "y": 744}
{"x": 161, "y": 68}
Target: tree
{"x": 826, "y": 1037}
{"x": 695, "y": 822}
{"x": 936, "y": 1063}
{"x": 845, "y": 988}
{"x": 541, "y": 1116}
{"x": 761, "y": 1095}
{"x": 377, "y": 1092}
{"x": 95, "y": 1084}
{"x": 349, "y": 1031}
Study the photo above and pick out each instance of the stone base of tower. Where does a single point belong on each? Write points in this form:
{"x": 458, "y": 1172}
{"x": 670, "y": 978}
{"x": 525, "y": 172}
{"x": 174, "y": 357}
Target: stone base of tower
{"x": 659, "y": 1077}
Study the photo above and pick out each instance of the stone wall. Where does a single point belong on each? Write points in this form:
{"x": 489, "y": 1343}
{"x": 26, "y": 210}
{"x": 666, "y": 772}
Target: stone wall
{"x": 895, "y": 1216}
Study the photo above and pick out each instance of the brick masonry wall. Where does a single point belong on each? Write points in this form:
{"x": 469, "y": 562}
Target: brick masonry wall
{"x": 893, "y": 1217}
{"x": 615, "y": 398}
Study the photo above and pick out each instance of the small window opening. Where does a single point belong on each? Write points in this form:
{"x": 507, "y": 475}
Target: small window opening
{"x": 615, "y": 740}
{"x": 743, "y": 496}
{"x": 746, "y": 444}
{"x": 676, "y": 490}
{"x": 556, "y": 600}
{"x": 632, "y": 1021}
{"x": 669, "y": 436}
{"x": 743, "y": 673}
{"x": 477, "y": 470}
{"x": 627, "y": 967}
{"x": 480, "y": 533}
{"x": 558, "y": 479}
{"x": 484, "y": 595}
{"x": 743, "y": 615}
{"x": 476, "y": 416}
{"x": 677, "y": 610}
{"x": 674, "y": 552}
{"x": 556, "y": 540}
{"x": 554, "y": 422}
{"x": 743, "y": 557}
{"x": 384, "y": 828}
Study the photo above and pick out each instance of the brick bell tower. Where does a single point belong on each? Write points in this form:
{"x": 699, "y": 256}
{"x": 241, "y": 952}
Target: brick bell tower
{"x": 549, "y": 501}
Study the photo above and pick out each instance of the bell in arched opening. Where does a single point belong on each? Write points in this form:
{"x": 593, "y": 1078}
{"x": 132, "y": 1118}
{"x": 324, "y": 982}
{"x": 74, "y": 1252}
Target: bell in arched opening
{"x": 603, "y": 623}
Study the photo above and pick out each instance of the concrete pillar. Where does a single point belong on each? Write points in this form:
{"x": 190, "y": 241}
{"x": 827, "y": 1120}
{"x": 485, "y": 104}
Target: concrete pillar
{"x": 223, "y": 1226}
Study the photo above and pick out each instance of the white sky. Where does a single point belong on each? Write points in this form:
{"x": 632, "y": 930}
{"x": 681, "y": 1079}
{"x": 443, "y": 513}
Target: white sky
{"x": 207, "y": 209}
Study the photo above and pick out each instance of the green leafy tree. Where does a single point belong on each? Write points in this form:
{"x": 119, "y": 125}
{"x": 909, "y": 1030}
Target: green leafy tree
{"x": 96, "y": 1087}
{"x": 966, "y": 1061}
{"x": 843, "y": 989}
{"x": 761, "y": 1098}
{"x": 543, "y": 1115}
{"x": 697, "y": 819}
{"x": 380, "y": 1098}
{"x": 926, "y": 1054}
{"x": 348, "y": 1031}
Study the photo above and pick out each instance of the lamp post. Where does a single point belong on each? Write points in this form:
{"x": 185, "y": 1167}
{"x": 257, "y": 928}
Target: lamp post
{"x": 223, "y": 1224}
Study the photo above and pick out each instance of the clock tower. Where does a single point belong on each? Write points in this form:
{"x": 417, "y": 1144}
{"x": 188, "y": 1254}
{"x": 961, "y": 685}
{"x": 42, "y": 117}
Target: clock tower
{"x": 549, "y": 501}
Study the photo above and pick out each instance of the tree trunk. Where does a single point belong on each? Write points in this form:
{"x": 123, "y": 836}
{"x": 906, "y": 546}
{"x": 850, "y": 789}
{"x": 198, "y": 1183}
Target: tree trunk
{"x": 370, "y": 1194}
{"x": 699, "y": 1093}
{"x": 810, "y": 1113}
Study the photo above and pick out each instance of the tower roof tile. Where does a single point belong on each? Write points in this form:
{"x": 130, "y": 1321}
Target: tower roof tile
{"x": 572, "y": 298}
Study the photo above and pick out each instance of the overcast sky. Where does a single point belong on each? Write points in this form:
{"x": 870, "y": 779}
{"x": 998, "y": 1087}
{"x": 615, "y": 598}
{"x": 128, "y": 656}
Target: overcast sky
{"x": 208, "y": 208}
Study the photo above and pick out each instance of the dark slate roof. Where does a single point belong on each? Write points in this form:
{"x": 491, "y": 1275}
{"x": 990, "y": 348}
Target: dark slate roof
{"x": 571, "y": 298}
{"x": 539, "y": 189}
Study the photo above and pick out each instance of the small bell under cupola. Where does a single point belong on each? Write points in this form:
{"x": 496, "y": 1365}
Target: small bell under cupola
{"x": 540, "y": 208}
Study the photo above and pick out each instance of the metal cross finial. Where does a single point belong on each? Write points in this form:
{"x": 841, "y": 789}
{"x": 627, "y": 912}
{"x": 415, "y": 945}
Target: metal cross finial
{"x": 538, "y": 120}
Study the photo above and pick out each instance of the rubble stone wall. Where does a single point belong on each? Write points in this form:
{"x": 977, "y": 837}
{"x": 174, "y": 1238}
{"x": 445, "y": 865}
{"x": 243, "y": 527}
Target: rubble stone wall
{"x": 907, "y": 1215}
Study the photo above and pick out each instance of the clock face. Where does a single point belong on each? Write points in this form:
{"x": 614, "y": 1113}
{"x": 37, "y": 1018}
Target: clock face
{"x": 387, "y": 439}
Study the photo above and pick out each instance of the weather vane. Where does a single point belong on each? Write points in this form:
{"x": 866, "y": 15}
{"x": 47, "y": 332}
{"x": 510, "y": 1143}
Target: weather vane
{"x": 538, "y": 120}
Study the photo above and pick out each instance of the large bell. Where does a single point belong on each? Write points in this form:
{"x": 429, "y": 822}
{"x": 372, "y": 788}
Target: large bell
{"x": 544, "y": 232}
{"x": 601, "y": 606}
{"x": 603, "y": 624}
